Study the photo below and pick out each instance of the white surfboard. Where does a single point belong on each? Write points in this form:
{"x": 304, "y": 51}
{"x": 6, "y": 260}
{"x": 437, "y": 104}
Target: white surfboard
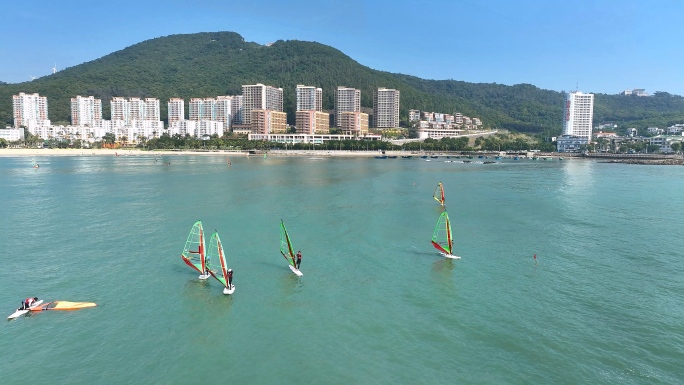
{"x": 204, "y": 276}
{"x": 229, "y": 291}
{"x": 451, "y": 256}
{"x": 20, "y": 313}
{"x": 296, "y": 271}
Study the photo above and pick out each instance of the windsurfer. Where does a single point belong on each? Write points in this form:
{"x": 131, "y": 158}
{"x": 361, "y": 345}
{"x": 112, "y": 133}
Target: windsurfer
{"x": 230, "y": 278}
{"x": 299, "y": 259}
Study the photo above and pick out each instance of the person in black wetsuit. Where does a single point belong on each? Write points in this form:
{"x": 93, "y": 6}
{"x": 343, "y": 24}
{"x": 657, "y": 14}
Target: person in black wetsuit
{"x": 299, "y": 259}
{"x": 230, "y": 278}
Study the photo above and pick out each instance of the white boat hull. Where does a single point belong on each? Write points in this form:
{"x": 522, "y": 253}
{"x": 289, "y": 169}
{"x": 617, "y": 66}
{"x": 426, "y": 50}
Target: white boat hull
{"x": 20, "y": 313}
{"x": 296, "y": 271}
{"x": 450, "y": 256}
{"x": 227, "y": 291}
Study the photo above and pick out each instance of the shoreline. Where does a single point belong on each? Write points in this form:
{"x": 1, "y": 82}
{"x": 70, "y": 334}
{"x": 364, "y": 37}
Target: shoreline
{"x": 19, "y": 152}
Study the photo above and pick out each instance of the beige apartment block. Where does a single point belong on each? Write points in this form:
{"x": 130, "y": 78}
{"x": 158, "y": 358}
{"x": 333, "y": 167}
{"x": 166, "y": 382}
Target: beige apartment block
{"x": 312, "y": 122}
{"x": 346, "y": 100}
{"x": 354, "y": 123}
{"x": 268, "y": 121}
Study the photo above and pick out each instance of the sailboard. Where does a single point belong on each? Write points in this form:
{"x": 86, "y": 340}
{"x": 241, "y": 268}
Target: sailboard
{"x": 286, "y": 249}
{"x": 194, "y": 253}
{"x": 21, "y": 312}
{"x": 438, "y": 194}
{"x": 442, "y": 238}
{"x": 64, "y": 305}
{"x": 217, "y": 263}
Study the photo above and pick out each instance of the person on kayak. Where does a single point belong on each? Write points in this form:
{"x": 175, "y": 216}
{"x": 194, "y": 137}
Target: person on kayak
{"x": 28, "y": 302}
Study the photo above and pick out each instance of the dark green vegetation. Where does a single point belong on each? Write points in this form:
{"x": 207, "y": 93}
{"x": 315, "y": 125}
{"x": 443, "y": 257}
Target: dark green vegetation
{"x": 211, "y": 64}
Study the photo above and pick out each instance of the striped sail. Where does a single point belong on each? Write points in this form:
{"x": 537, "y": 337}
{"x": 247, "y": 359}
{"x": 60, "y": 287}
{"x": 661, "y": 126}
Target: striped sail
{"x": 194, "y": 251}
{"x": 441, "y": 236}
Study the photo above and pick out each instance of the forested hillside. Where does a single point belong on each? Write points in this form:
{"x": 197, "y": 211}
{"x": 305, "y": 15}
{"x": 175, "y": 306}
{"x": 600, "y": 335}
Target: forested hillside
{"x": 211, "y": 64}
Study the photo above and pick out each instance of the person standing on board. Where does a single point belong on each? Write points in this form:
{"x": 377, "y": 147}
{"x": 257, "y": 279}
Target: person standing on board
{"x": 230, "y": 278}
{"x": 299, "y": 259}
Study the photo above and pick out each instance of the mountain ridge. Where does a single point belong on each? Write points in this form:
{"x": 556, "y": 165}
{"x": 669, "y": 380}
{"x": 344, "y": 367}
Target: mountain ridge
{"x": 208, "y": 64}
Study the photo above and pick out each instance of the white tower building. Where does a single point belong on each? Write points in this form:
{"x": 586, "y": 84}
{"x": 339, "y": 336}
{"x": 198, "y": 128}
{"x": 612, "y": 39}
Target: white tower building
{"x": 85, "y": 111}
{"x": 386, "y": 108}
{"x": 579, "y": 114}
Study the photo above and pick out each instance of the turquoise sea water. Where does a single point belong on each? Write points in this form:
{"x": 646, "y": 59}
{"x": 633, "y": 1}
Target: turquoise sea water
{"x": 376, "y": 304}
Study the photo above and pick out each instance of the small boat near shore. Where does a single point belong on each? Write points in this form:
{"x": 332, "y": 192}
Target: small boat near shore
{"x": 380, "y": 157}
{"x": 406, "y": 156}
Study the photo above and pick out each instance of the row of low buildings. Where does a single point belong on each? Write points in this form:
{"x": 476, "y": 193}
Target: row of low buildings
{"x": 437, "y": 125}
{"x": 258, "y": 111}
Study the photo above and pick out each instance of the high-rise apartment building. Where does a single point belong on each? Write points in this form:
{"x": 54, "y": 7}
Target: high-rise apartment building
{"x": 85, "y": 111}
{"x": 176, "y": 110}
{"x": 137, "y": 109}
{"x": 29, "y": 109}
{"x": 579, "y": 114}
{"x": 260, "y": 97}
{"x": 120, "y": 109}
{"x": 196, "y": 109}
{"x": 386, "y": 108}
{"x": 346, "y": 100}
{"x": 151, "y": 109}
{"x": 224, "y": 110}
{"x": 238, "y": 106}
{"x": 309, "y": 98}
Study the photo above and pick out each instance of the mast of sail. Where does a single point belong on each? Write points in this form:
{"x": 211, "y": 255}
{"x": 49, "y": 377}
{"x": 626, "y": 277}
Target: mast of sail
{"x": 222, "y": 258}
{"x": 214, "y": 254}
{"x": 201, "y": 250}
{"x": 450, "y": 241}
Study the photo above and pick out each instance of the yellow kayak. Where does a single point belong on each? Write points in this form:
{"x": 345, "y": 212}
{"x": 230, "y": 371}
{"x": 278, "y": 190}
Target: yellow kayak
{"x": 65, "y": 305}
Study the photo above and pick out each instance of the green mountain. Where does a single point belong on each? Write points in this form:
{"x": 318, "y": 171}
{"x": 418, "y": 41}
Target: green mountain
{"x": 219, "y": 63}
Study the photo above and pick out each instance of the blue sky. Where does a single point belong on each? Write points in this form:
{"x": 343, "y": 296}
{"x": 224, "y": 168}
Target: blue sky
{"x": 601, "y": 46}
